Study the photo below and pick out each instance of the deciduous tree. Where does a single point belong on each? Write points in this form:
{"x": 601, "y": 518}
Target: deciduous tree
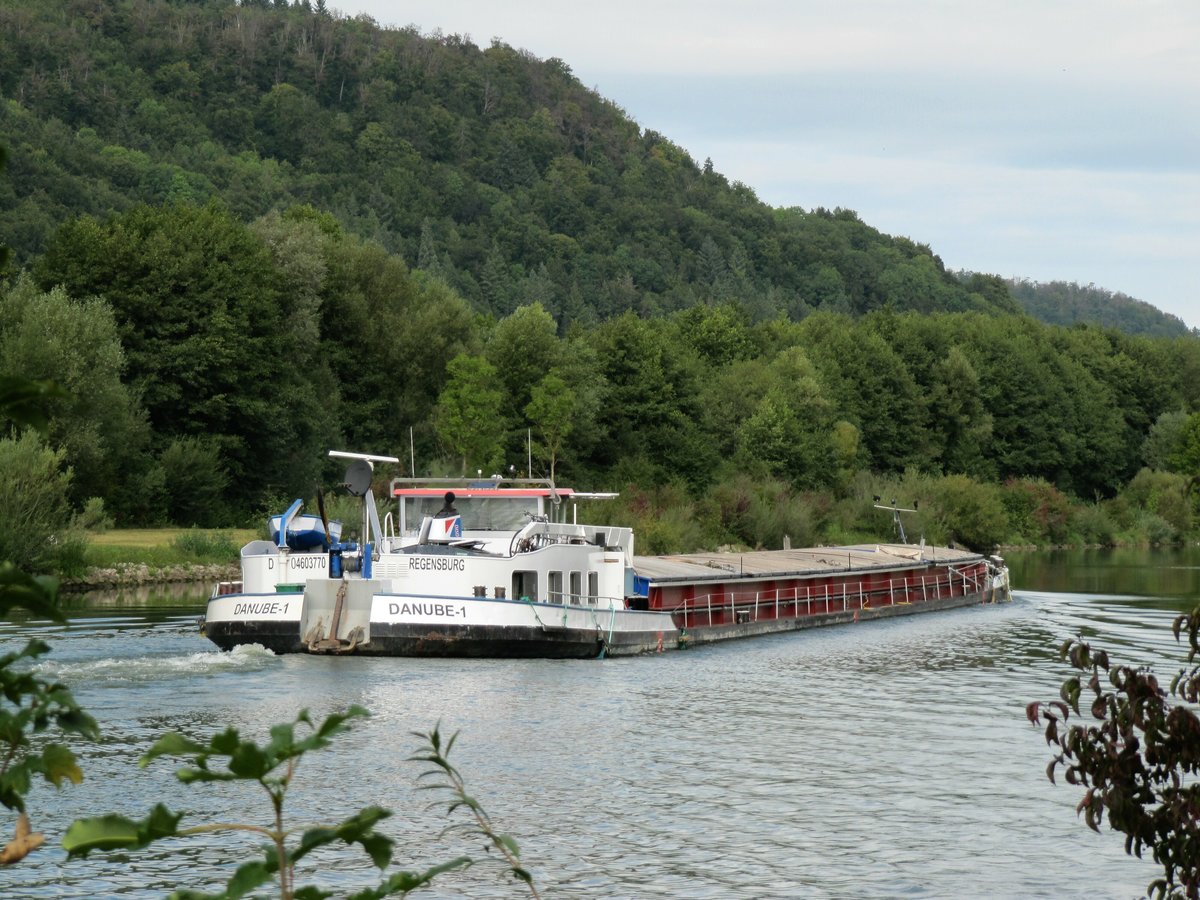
{"x": 466, "y": 412}
{"x": 552, "y": 409}
{"x": 96, "y": 421}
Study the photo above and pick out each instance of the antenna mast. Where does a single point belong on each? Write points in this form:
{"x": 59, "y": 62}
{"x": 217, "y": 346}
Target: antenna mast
{"x": 895, "y": 511}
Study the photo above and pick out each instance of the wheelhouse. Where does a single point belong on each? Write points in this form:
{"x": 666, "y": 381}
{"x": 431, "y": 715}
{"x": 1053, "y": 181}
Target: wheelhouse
{"x": 492, "y": 505}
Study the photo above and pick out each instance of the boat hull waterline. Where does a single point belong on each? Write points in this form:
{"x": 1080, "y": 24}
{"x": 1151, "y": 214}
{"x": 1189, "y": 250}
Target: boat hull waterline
{"x": 525, "y": 633}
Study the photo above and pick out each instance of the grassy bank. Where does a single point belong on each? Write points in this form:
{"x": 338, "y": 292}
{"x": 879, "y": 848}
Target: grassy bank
{"x": 162, "y": 548}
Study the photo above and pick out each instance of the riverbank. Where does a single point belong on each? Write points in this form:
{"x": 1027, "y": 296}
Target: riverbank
{"x": 137, "y": 574}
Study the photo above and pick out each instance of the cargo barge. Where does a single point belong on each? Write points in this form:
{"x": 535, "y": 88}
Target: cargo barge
{"x": 502, "y": 567}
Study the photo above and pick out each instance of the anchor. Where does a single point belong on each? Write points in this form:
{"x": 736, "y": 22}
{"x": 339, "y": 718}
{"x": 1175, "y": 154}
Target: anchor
{"x": 332, "y": 644}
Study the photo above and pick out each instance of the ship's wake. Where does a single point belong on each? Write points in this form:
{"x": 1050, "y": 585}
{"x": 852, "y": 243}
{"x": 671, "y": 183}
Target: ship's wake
{"x": 246, "y": 658}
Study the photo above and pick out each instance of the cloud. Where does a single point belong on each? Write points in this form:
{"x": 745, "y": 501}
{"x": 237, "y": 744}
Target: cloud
{"x": 1151, "y": 37}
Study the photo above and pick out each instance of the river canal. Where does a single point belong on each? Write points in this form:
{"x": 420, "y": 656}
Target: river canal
{"x": 885, "y": 759}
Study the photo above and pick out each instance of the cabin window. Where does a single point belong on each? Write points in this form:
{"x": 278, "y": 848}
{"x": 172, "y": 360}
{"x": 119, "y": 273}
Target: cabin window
{"x": 525, "y": 586}
{"x": 556, "y": 588}
{"x": 593, "y": 587}
{"x": 576, "y": 588}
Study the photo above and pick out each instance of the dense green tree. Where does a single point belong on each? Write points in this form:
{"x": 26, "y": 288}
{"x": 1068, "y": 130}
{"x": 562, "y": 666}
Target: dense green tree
{"x": 650, "y": 405}
{"x": 1186, "y": 456}
{"x": 1063, "y": 303}
{"x": 386, "y": 337}
{"x": 197, "y": 302}
{"x": 1164, "y": 439}
{"x": 194, "y": 482}
{"x": 523, "y": 348}
{"x": 777, "y": 436}
{"x": 552, "y": 408}
{"x": 580, "y": 372}
{"x": 1029, "y": 405}
{"x": 96, "y": 422}
{"x": 35, "y": 486}
{"x": 872, "y": 388}
{"x": 718, "y": 334}
{"x": 971, "y": 513}
{"x": 1161, "y": 494}
{"x": 789, "y": 431}
{"x": 958, "y": 415}
{"x": 466, "y": 413}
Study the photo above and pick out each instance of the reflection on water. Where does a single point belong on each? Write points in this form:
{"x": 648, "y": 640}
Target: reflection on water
{"x": 876, "y": 760}
{"x": 177, "y": 594}
{"x": 1172, "y": 573}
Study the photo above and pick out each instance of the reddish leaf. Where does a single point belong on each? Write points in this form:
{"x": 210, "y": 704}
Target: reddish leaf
{"x": 1032, "y": 712}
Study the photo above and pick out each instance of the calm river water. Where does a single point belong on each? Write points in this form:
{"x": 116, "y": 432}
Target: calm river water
{"x": 887, "y": 759}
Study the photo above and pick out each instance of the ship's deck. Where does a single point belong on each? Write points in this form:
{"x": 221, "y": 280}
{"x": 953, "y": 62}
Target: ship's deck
{"x": 803, "y": 562}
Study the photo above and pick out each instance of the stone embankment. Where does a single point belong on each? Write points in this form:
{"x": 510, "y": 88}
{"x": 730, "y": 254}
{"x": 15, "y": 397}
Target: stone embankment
{"x": 131, "y": 575}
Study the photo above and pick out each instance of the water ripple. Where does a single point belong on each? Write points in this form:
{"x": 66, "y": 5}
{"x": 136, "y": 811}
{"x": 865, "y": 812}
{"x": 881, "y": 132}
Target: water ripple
{"x": 879, "y": 760}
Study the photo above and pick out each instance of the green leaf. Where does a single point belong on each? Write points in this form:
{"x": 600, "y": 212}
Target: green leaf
{"x": 171, "y": 744}
{"x": 249, "y": 761}
{"x": 38, "y": 594}
{"x": 225, "y": 743}
{"x": 283, "y": 740}
{"x": 248, "y": 877}
{"x": 358, "y": 829}
{"x": 113, "y": 832}
{"x": 59, "y": 765}
{"x": 192, "y": 776}
{"x": 379, "y": 848}
{"x": 404, "y": 882}
{"x": 75, "y": 721}
{"x": 333, "y": 724}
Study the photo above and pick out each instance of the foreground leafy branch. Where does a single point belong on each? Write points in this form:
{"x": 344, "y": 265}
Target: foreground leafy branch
{"x": 444, "y": 777}
{"x": 272, "y": 766}
{"x": 1140, "y": 763}
{"x": 32, "y": 706}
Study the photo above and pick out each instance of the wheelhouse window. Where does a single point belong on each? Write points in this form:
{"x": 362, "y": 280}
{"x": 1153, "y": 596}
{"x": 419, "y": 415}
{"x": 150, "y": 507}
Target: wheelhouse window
{"x": 478, "y": 513}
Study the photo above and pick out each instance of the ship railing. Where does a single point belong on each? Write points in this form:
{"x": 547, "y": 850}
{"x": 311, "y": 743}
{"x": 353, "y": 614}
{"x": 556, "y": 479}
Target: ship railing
{"x": 224, "y": 588}
{"x": 824, "y": 599}
{"x": 570, "y": 598}
{"x": 538, "y": 535}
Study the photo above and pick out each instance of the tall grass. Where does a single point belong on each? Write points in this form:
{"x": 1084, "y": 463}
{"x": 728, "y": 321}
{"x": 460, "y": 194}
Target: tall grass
{"x": 163, "y": 547}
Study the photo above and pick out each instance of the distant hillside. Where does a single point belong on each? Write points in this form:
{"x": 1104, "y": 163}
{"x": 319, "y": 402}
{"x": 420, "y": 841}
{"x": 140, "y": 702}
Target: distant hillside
{"x": 1063, "y": 303}
{"x": 494, "y": 170}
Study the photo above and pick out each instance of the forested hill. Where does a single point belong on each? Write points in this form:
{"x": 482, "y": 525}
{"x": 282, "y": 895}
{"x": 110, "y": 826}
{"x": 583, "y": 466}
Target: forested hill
{"x": 1064, "y": 303}
{"x": 497, "y": 171}
{"x": 246, "y": 234}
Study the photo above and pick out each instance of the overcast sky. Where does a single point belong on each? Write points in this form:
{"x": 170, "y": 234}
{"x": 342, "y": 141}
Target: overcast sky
{"x": 1043, "y": 139}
